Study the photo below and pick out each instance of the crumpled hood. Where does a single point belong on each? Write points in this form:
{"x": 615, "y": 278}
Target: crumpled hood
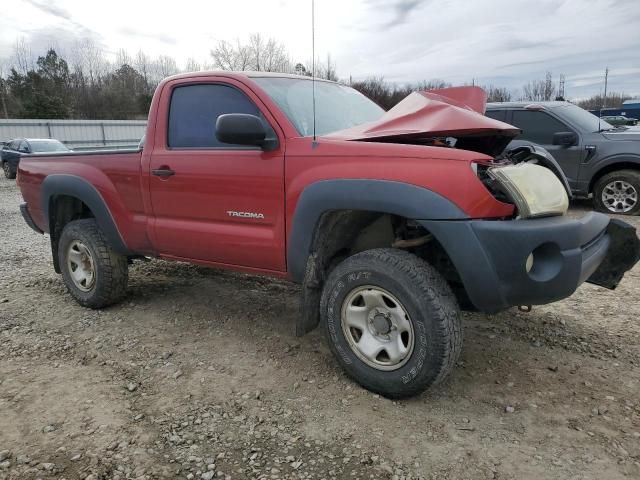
{"x": 454, "y": 112}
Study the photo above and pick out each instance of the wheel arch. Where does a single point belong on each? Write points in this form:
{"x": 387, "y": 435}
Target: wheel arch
{"x": 613, "y": 164}
{"x": 66, "y": 198}
{"x": 336, "y": 218}
{"x": 379, "y": 196}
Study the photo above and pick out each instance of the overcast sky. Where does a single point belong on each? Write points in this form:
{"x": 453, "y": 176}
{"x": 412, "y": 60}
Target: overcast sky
{"x": 504, "y": 42}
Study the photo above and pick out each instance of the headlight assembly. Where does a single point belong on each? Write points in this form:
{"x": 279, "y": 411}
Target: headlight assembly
{"x": 535, "y": 190}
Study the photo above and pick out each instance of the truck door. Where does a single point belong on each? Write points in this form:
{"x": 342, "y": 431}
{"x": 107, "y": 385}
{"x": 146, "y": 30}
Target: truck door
{"x": 538, "y": 127}
{"x": 215, "y": 202}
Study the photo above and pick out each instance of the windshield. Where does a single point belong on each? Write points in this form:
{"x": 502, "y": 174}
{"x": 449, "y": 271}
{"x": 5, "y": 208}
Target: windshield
{"x": 583, "y": 119}
{"x": 38, "y": 146}
{"x": 337, "y": 106}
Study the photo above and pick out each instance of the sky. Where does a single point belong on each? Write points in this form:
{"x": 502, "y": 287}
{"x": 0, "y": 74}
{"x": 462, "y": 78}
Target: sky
{"x": 500, "y": 42}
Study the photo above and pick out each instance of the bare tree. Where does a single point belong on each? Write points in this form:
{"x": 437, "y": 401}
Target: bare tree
{"x": 325, "y": 69}
{"x": 166, "y": 66}
{"x": 224, "y": 56}
{"x": 258, "y": 54}
{"x": 330, "y": 69}
{"x": 88, "y": 59}
{"x": 192, "y": 65}
{"x": 123, "y": 58}
{"x": 22, "y": 56}
{"x": 95, "y": 60}
{"x": 256, "y": 45}
{"x": 497, "y": 94}
{"x": 376, "y": 89}
{"x": 388, "y": 94}
{"x": 142, "y": 63}
{"x": 275, "y": 58}
{"x": 243, "y": 57}
{"x": 532, "y": 90}
{"x": 595, "y": 102}
{"x": 549, "y": 91}
{"x": 433, "y": 84}
{"x": 539, "y": 90}
{"x": 227, "y": 56}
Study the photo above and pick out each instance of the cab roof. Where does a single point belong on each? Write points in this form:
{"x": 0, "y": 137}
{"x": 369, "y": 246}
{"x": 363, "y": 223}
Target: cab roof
{"x": 244, "y": 74}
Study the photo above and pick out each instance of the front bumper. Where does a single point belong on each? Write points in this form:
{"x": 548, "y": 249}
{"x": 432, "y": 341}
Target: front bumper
{"x": 491, "y": 257}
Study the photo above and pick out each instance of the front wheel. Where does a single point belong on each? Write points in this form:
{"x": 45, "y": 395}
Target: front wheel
{"x": 618, "y": 192}
{"x": 94, "y": 274}
{"x": 391, "y": 321}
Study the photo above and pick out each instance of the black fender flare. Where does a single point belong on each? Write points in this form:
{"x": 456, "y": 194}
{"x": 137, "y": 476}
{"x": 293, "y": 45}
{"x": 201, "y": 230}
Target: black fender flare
{"x": 74, "y": 186}
{"x": 385, "y": 196}
{"x": 622, "y": 159}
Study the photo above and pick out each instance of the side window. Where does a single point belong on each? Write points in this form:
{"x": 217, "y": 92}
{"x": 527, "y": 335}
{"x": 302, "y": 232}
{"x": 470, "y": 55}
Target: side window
{"x": 497, "y": 114}
{"x": 538, "y": 127}
{"x": 24, "y": 147}
{"x": 14, "y": 145}
{"x": 194, "y": 110}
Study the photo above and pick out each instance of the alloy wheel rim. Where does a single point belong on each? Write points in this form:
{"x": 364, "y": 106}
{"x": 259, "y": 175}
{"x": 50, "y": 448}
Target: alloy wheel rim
{"x": 619, "y": 196}
{"x": 81, "y": 266}
{"x": 377, "y": 328}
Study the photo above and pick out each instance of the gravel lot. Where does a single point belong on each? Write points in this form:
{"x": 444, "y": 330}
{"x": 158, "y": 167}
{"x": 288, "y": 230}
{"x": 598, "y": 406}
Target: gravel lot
{"x": 198, "y": 375}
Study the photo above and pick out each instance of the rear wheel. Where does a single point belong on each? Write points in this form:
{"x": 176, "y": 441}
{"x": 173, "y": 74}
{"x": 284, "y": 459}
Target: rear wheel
{"x": 618, "y": 192}
{"x": 9, "y": 172}
{"x": 94, "y": 274}
{"x": 391, "y": 321}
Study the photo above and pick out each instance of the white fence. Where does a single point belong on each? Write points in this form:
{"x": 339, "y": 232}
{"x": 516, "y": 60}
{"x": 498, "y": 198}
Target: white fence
{"x": 77, "y": 134}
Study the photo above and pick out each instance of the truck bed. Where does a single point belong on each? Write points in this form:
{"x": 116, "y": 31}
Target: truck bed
{"x": 115, "y": 174}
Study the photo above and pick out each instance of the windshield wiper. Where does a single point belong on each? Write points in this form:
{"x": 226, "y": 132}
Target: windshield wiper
{"x": 614, "y": 129}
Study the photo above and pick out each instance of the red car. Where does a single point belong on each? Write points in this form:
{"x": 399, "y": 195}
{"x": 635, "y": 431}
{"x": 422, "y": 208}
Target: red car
{"x": 389, "y": 220}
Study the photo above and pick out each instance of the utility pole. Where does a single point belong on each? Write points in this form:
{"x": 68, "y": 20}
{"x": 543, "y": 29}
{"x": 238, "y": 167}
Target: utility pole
{"x": 606, "y": 78}
{"x": 561, "y": 87}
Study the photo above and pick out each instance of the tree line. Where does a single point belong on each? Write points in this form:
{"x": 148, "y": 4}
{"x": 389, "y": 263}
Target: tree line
{"x": 83, "y": 83}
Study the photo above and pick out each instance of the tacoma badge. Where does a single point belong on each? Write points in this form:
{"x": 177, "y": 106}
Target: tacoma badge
{"x": 231, "y": 213}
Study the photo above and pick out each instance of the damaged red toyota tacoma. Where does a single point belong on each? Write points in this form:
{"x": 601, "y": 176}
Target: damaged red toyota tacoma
{"x": 391, "y": 221}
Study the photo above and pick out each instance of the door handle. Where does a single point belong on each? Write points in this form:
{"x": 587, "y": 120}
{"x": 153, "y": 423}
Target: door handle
{"x": 163, "y": 172}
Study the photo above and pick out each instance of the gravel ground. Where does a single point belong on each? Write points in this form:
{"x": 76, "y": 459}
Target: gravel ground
{"x": 198, "y": 375}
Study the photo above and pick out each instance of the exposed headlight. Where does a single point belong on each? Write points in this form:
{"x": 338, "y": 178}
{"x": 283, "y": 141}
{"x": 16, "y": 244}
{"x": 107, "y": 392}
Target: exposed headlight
{"x": 535, "y": 190}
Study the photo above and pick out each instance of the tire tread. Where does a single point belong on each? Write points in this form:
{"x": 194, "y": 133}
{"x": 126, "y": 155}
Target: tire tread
{"x": 114, "y": 267}
{"x": 434, "y": 288}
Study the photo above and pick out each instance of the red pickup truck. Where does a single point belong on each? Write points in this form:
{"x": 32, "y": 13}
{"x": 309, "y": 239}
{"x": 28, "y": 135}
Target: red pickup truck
{"x": 389, "y": 220}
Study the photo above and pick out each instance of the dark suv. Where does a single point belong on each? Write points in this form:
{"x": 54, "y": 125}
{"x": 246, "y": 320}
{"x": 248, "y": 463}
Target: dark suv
{"x": 596, "y": 157}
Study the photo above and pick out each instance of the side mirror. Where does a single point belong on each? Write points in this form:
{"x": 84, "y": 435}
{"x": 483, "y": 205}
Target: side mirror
{"x": 565, "y": 139}
{"x": 241, "y": 129}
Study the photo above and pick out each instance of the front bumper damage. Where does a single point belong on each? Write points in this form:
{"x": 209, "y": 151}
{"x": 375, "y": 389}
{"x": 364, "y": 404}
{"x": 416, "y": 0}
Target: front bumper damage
{"x": 536, "y": 261}
{"x": 622, "y": 255}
